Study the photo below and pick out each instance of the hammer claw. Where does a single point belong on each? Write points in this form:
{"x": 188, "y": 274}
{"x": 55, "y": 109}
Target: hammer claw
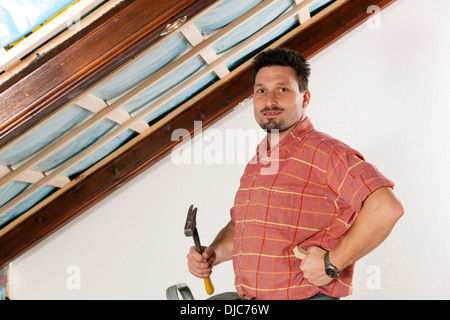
{"x": 190, "y": 225}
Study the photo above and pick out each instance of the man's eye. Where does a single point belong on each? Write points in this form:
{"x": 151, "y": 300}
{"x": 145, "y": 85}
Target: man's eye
{"x": 260, "y": 91}
{"x": 284, "y": 90}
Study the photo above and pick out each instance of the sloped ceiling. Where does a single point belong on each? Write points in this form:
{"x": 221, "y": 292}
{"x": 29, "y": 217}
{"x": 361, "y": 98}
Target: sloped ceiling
{"x": 89, "y": 115}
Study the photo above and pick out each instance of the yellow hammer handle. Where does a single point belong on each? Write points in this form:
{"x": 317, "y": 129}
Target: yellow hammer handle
{"x": 300, "y": 253}
{"x": 208, "y": 286}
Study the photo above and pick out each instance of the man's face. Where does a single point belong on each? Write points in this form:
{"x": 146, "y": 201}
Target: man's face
{"x": 278, "y": 102}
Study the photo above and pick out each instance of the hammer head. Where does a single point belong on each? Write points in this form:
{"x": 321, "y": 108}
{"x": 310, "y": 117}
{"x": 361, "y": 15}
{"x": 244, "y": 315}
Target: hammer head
{"x": 191, "y": 223}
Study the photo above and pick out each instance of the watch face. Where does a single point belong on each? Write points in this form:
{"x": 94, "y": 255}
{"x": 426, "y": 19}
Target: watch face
{"x": 331, "y": 272}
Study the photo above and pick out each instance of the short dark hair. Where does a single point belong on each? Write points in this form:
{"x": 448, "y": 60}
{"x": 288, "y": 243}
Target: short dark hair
{"x": 285, "y": 58}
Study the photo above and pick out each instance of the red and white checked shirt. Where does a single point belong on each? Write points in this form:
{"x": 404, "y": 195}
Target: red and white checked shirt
{"x": 309, "y": 195}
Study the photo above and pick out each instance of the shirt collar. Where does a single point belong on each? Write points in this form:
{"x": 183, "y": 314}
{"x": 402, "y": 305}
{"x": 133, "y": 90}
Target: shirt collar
{"x": 288, "y": 143}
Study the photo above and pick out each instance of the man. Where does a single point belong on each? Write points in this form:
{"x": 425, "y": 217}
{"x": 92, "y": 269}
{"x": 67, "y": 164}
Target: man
{"x": 323, "y": 197}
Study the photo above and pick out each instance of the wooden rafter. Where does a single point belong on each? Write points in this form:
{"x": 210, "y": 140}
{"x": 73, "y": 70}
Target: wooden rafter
{"x": 140, "y": 153}
{"x": 215, "y": 64}
{"x": 67, "y": 71}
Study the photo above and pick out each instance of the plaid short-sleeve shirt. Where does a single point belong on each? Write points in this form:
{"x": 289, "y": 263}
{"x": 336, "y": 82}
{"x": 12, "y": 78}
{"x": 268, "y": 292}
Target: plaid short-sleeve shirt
{"x": 310, "y": 197}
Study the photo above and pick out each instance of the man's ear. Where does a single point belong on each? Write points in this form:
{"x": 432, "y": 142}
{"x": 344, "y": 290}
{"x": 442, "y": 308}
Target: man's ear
{"x": 306, "y": 98}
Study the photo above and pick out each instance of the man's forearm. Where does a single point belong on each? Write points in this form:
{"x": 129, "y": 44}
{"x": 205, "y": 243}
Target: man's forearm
{"x": 223, "y": 244}
{"x": 373, "y": 224}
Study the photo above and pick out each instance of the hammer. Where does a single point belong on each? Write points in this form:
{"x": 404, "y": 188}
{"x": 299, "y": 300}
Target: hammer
{"x": 190, "y": 230}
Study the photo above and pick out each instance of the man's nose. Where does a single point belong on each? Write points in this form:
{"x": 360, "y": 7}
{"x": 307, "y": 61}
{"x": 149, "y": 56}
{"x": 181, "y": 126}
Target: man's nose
{"x": 271, "y": 99}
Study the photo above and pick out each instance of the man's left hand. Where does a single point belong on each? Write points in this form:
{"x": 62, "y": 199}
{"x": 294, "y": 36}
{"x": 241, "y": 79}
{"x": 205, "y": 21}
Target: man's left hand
{"x": 313, "y": 267}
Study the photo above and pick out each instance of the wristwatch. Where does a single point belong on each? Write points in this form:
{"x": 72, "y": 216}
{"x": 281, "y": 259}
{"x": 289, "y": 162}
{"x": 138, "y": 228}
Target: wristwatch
{"x": 330, "y": 270}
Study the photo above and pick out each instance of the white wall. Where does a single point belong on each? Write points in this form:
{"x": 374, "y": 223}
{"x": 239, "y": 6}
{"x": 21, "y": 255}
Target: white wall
{"x": 383, "y": 91}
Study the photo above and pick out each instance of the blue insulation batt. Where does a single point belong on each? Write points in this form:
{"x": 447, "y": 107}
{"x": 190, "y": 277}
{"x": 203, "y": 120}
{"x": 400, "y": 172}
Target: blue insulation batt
{"x": 152, "y": 101}
{"x": 19, "y": 17}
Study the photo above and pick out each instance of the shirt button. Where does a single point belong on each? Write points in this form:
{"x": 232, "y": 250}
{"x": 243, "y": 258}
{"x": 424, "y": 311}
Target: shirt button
{"x": 243, "y": 225}
{"x": 248, "y": 201}
{"x": 255, "y": 177}
{"x": 238, "y": 274}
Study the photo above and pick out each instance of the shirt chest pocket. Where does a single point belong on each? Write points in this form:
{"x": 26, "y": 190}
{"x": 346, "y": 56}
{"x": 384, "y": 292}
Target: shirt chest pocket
{"x": 278, "y": 209}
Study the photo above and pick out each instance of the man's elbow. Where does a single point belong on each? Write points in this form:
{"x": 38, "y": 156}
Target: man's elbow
{"x": 385, "y": 203}
{"x": 393, "y": 208}
{"x": 397, "y": 211}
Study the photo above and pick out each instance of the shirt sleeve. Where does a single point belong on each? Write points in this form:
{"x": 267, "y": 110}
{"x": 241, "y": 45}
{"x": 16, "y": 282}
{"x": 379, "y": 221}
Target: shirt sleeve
{"x": 351, "y": 179}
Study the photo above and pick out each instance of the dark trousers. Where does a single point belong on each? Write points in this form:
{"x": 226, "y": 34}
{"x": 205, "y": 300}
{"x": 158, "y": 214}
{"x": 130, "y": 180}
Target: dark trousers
{"x": 235, "y": 296}
{"x": 321, "y": 296}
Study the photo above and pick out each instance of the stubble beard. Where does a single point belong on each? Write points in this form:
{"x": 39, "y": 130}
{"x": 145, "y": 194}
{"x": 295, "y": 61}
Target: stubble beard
{"x": 276, "y": 125}
{"x": 272, "y": 124}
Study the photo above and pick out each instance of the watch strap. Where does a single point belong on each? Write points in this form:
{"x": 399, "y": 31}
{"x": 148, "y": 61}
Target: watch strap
{"x": 330, "y": 270}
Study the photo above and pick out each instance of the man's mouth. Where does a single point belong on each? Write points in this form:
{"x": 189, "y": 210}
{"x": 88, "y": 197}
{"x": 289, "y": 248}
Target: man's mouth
{"x": 272, "y": 113}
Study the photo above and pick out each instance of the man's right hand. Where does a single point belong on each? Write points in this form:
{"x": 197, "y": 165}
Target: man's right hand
{"x": 220, "y": 250}
{"x": 200, "y": 265}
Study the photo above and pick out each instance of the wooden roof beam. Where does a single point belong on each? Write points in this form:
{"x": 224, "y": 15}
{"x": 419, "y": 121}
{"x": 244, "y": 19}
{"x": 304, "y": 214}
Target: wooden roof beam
{"x": 85, "y": 58}
{"x": 140, "y": 154}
